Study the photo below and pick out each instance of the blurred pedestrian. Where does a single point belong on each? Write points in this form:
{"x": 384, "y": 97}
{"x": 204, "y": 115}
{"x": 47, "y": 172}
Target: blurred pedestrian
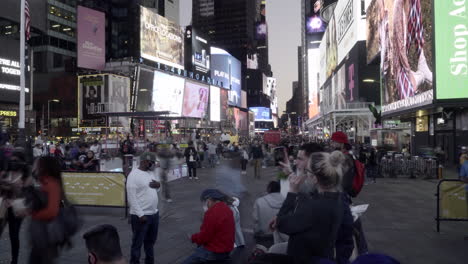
{"x": 244, "y": 159}
{"x": 90, "y": 163}
{"x": 256, "y": 154}
{"x": 165, "y": 156}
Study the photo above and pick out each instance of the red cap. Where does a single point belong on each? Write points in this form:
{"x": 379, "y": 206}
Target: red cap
{"x": 340, "y": 137}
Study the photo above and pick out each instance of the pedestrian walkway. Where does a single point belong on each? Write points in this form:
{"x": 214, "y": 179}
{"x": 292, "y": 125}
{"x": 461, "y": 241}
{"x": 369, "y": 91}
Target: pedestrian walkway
{"x": 399, "y": 222}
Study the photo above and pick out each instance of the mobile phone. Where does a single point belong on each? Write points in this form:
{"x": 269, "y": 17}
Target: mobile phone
{"x": 279, "y": 154}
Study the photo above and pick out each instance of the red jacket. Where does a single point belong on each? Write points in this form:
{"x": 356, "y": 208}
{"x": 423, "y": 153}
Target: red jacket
{"x": 217, "y": 231}
{"x": 53, "y": 189}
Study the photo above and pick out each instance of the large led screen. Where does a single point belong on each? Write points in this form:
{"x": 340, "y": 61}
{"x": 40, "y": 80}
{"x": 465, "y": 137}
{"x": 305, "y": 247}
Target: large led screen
{"x": 215, "y": 104}
{"x": 405, "y": 33}
{"x": 226, "y": 70}
{"x": 119, "y": 99}
{"x": 198, "y": 49}
{"x": 261, "y": 113}
{"x": 92, "y": 100}
{"x": 91, "y": 39}
{"x": 451, "y": 39}
{"x": 314, "y": 22}
{"x": 314, "y": 69}
{"x": 195, "y": 100}
{"x": 161, "y": 40}
{"x": 165, "y": 94}
{"x": 224, "y": 104}
{"x": 10, "y": 72}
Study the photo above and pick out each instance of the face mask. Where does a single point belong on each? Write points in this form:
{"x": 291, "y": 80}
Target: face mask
{"x": 205, "y": 207}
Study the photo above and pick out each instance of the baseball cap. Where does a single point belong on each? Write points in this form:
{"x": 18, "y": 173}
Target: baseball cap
{"x": 340, "y": 137}
{"x": 148, "y": 156}
{"x": 213, "y": 194}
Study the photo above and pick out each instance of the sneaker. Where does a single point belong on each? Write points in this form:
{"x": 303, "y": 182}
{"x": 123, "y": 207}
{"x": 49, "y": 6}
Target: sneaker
{"x": 196, "y": 178}
{"x": 169, "y": 200}
{"x": 190, "y": 178}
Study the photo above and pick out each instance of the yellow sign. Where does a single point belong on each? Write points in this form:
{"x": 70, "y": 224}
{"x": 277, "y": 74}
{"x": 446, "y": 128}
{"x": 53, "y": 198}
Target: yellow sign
{"x": 95, "y": 188}
{"x": 453, "y": 200}
{"x": 7, "y": 113}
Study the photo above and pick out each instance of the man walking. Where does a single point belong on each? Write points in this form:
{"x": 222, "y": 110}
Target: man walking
{"x": 191, "y": 157}
{"x": 143, "y": 200}
{"x": 257, "y": 155}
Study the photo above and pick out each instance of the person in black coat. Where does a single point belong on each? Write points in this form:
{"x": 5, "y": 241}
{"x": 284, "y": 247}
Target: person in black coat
{"x": 191, "y": 157}
{"x": 313, "y": 221}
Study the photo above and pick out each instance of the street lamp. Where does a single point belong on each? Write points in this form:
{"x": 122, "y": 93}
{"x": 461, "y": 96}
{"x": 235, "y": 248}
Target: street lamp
{"x": 48, "y": 113}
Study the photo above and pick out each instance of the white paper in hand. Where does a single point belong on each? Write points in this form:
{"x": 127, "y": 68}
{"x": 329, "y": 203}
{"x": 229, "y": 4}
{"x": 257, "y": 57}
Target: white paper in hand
{"x": 358, "y": 210}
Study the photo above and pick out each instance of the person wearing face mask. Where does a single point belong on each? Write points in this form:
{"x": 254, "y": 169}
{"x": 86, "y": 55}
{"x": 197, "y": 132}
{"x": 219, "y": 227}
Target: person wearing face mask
{"x": 217, "y": 233}
{"x": 143, "y": 201}
{"x": 103, "y": 244}
{"x": 12, "y": 183}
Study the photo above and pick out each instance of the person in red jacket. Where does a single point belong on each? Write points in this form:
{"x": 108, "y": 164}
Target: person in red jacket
{"x": 217, "y": 233}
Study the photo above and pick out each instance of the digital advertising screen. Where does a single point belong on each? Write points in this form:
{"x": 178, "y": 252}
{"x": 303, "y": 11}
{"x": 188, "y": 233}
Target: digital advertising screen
{"x": 10, "y": 72}
{"x": 197, "y": 48}
{"x": 244, "y": 99}
{"x": 91, "y": 39}
{"x": 261, "y": 113}
{"x": 158, "y": 91}
{"x": 224, "y": 104}
{"x": 261, "y": 31}
{"x": 161, "y": 40}
{"x": 226, "y": 70}
{"x": 405, "y": 52}
{"x": 215, "y": 104}
{"x": 314, "y": 22}
{"x": 93, "y": 98}
{"x": 195, "y": 100}
{"x": 119, "y": 99}
{"x": 313, "y": 68}
{"x": 451, "y": 57}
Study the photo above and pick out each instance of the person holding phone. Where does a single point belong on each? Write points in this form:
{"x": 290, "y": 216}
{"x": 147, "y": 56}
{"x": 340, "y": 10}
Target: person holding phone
{"x": 143, "y": 201}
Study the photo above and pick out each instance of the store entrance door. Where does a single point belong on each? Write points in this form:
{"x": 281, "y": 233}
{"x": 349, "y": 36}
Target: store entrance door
{"x": 445, "y": 140}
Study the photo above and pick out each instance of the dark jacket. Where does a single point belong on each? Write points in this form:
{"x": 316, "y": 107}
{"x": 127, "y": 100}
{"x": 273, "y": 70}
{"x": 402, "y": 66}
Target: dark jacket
{"x": 349, "y": 172}
{"x": 344, "y": 242}
{"x": 190, "y": 151}
{"x": 312, "y": 222}
{"x": 256, "y": 152}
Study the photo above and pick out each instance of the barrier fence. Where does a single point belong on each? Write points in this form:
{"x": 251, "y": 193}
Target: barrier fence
{"x": 452, "y": 203}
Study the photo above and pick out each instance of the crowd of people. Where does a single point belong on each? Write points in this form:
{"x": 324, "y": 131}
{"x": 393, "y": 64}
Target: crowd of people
{"x": 313, "y": 223}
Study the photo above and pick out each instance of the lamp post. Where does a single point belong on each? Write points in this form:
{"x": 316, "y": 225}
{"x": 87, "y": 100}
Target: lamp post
{"x": 48, "y": 113}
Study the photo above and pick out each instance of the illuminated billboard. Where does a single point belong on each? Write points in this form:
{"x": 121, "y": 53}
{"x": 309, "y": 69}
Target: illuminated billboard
{"x": 197, "y": 48}
{"x": 405, "y": 44}
{"x": 215, "y": 104}
{"x": 10, "y": 72}
{"x": 161, "y": 40}
{"x": 226, "y": 70}
{"x": 314, "y": 21}
{"x": 314, "y": 69}
{"x": 91, "y": 39}
{"x": 261, "y": 113}
{"x": 195, "y": 100}
{"x": 158, "y": 91}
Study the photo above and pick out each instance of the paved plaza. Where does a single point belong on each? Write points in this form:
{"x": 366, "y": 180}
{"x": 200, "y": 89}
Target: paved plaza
{"x": 399, "y": 222}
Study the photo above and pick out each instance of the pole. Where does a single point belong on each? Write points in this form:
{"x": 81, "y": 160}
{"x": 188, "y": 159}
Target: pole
{"x": 21, "y": 136}
{"x": 42, "y": 119}
{"x": 48, "y": 117}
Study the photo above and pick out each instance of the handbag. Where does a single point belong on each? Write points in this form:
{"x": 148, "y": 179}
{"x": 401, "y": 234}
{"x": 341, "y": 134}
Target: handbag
{"x": 65, "y": 225}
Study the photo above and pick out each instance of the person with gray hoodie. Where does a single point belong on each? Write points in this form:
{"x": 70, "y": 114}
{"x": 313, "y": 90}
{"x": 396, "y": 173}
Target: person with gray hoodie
{"x": 265, "y": 209}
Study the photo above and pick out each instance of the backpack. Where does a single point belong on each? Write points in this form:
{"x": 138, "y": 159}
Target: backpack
{"x": 359, "y": 177}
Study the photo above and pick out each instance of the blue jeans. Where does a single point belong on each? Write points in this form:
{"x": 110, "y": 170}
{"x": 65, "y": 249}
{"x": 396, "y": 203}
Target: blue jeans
{"x": 144, "y": 234}
{"x": 202, "y": 255}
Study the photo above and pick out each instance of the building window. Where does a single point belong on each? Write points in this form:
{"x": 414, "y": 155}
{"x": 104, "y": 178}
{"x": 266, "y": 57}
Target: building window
{"x": 62, "y": 13}
{"x": 63, "y": 29}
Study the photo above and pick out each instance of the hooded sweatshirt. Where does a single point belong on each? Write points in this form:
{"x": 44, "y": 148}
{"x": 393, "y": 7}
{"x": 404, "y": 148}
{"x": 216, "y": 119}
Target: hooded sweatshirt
{"x": 265, "y": 209}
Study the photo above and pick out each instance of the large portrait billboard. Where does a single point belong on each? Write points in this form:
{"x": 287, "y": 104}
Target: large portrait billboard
{"x": 314, "y": 21}
{"x": 119, "y": 99}
{"x": 405, "y": 45}
{"x": 92, "y": 100}
{"x": 161, "y": 40}
{"x": 451, "y": 41}
{"x": 195, "y": 100}
{"x": 226, "y": 70}
{"x": 197, "y": 48}
{"x": 91, "y": 39}
{"x": 215, "y": 104}
{"x": 314, "y": 69}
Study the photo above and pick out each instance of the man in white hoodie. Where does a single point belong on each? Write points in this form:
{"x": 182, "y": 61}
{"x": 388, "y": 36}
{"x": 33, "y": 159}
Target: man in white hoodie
{"x": 265, "y": 209}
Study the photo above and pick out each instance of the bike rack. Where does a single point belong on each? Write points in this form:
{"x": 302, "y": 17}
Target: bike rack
{"x": 438, "y": 218}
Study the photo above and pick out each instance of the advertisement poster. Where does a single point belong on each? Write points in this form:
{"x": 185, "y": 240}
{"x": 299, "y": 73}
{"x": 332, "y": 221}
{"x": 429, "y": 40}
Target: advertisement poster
{"x": 93, "y": 99}
{"x": 405, "y": 37}
{"x": 145, "y": 84}
{"x": 91, "y": 39}
{"x": 451, "y": 37}
{"x": 226, "y": 70}
{"x": 168, "y": 93}
{"x": 373, "y": 27}
{"x": 314, "y": 22}
{"x": 224, "y": 104}
{"x": 330, "y": 42}
{"x": 161, "y": 40}
{"x": 197, "y": 48}
{"x": 243, "y": 121}
{"x": 195, "y": 100}
{"x": 96, "y": 189}
{"x": 119, "y": 99}
{"x": 314, "y": 69}
{"x": 10, "y": 72}
{"x": 261, "y": 113}
{"x": 244, "y": 99}
{"x": 215, "y": 104}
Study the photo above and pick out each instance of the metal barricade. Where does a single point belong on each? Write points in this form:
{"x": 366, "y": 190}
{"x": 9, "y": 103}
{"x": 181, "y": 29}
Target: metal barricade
{"x": 452, "y": 202}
